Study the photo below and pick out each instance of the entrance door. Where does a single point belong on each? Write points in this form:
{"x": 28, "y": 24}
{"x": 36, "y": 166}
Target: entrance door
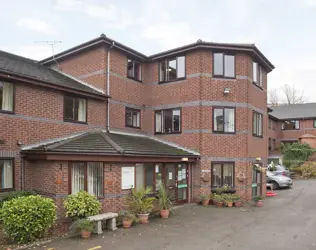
{"x": 256, "y": 181}
{"x": 182, "y": 183}
{"x": 170, "y": 182}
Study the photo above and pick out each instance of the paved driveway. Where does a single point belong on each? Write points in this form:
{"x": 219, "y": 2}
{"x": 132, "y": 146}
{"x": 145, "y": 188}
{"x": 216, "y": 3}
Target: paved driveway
{"x": 287, "y": 221}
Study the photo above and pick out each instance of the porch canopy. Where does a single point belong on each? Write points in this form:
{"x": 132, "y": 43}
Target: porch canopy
{"x": 113, "y": 146}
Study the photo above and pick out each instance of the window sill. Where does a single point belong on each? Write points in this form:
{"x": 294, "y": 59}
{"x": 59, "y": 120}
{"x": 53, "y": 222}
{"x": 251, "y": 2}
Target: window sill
{"x": 176, "y": 80}
{"x": 77, "y": 122}
{"x": 258, "y": 136}
{"x": 290, "y": 129}
{"x": 258, "y": 86}
{"x": 132, "y": 78}
{"x": 224, "y": 77}
{"x": 7, "y": 112}
{"x": 128, "y": 126}
{"x": 171, "y": 133}
{"x": 224, "y": 133}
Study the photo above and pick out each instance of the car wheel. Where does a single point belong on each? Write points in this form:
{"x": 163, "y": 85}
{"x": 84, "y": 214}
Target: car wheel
{"x": 275, "y": 185}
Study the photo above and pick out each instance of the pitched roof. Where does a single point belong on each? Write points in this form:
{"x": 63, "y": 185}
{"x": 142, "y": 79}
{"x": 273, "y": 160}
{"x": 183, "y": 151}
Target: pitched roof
{"x": 31, "y": 69}
{"x": 100, "y": 142}
{"x": 251, "y": 48}
{"x": 294, "y": 111}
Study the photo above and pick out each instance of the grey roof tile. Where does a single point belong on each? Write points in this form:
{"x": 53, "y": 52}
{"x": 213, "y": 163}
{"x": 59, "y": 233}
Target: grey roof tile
{"x": 294, "y": 111}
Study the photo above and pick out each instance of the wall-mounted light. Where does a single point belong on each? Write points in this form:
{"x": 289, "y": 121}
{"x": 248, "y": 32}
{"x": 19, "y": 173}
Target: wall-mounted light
{"x": 184, "y": 159}
{"x": 226, "y": 91}
{"x": 258, "y": 158}
{"x": 19, "y": 143}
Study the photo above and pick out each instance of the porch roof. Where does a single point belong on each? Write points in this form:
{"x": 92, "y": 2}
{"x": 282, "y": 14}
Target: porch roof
{"x": 103, "y": 143}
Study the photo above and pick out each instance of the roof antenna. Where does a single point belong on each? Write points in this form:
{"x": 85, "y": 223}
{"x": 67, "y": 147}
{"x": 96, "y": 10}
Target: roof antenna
{"x": 52, "y": 44}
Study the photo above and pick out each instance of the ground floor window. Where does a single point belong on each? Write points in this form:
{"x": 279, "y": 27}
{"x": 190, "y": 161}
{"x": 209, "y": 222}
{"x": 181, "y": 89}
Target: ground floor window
{"x": 88, "y": 176}
{"x": 6, "y": 174}
{"x": 148, "y": 175}
{"x": 222, "y": 174}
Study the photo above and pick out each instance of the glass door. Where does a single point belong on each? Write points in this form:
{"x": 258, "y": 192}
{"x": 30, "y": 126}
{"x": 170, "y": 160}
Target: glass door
{"x": 170, "y": 181}
{"x": 256, "y": 181}
{"x": 182, "y": 183}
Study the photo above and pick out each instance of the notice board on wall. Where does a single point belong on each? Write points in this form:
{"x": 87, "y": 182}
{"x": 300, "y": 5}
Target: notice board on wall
{"x": 128, "y": 177}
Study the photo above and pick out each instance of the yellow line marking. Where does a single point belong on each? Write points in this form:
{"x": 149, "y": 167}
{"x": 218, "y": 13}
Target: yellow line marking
{"x": 93, "y": 248}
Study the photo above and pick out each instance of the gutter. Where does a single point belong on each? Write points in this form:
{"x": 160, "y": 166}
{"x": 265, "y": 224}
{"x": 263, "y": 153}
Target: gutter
{"x": 108, "y": 85}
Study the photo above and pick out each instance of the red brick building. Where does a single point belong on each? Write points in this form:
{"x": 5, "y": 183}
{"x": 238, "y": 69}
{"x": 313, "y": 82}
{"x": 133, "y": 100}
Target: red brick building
{"x": 194, "y": 118}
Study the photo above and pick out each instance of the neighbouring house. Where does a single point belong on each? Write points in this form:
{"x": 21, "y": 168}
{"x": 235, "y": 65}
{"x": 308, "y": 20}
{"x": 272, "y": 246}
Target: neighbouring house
{"x": 105, "y": 118}
{"x": 291, "y": 123}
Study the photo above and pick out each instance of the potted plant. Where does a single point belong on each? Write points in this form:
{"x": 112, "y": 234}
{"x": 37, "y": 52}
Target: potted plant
{"x": 141, "y": 203}
{"x": 127, "y": 218}
{"x": 164, "y": 202}
{"x": 204, "y": 199}
{"x": 237, "y": 201}
{"x": 211, "y": 198}
{"x": 219, "y": 200}
{"x": 229, "y": 200}
{"x": 258, "y": 200}
{"x": 84, "y": 226}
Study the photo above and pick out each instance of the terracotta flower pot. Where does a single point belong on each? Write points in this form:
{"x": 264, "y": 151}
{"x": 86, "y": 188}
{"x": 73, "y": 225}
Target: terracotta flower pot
{"x": 219, "y": 204}
{"x": 164, "y": 214}
{"x": 229, "y": 204}
{"x": 259, "y": 203}
{"x": 237, "y": 203}
{"x": 205, "y": 202}
{"x": 127, "y": 223}
{"x": 143, "y": 218}
{"x": 211, "y": 202}
{"x": 85, "y": 234}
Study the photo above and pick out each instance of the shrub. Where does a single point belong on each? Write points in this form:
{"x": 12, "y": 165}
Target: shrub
{"x": 81, "y": 205}
{"x": 309, "y": 169}
{"x": 81, "y": 225}
{"x": 140, "y": 202}
{"x": 164, "y": 201}
{"x": 28, "y": 218}
{"x": 295, "y": 154}
{"x": 15, "y": 194}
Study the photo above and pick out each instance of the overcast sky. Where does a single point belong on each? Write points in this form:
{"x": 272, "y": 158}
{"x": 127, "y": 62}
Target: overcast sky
{"x": 284, "y": 30}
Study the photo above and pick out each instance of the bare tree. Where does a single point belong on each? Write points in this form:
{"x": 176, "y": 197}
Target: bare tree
{"x": 273, "y": 97}
{"x": 293, "y": 95}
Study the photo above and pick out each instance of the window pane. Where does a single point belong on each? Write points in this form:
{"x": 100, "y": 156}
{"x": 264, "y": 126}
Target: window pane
{"x": 77, "y": 177}
{"x": 82, "y": 109}
{"x": 181, "y": 66}
{"x": 158, "y": 173}
{"x": 6, "y": 96}
{"x": 158, "y": 121}
{"x": 130, "y": 68}
{"x": 95, "y": 178}
{"x": 162, "y": 73}
{"x": 216, "y": 175}
{"x": 218, "y": 120}
{"x": 167, "y": 121}
{"x": 140, "y": 177}
{"x": 228, "y": 173}
{"x": 297, "y": 124}
{"x": 255, "y": 72}
{"x": 229, "y": 120}
{"x": 138, "y": 119}
{"x": 149, "y": 175}
{"x": 138, "y": 71}
{"x": 69, "y": 108}
{"x": 218, "y": 64}
{"x": 229, "y": 66}
{"x": 254, "y": 125}
{"x": 129, "y": 119}
{"x": 176, "y": 120}
{"x": 260, "y": 77}
{"x": 314, "y": 123}
{"x": 6, "y": 170}
{"x": 260, "y": 125}
{"x": 172, "y": 70}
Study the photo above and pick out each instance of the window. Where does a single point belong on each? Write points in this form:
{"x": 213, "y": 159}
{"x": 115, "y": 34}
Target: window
{"x": 6, "y": 96}
{"x": 224, "y": 120}
{"x": 148, "y": 175}
{"x": 222, "y": 174}
{"x": 172, "y": 69}
{"x": 223, "y": 65}
{"x": 75, "y": 109}
{"x": 270, "y": 144}
{"x": 314, "y": 123}
{"x": 290, "y": 125}
{"x": 6, "y": 174}
{"x": 87, "y": 176}
{"x": 134, "y": 70}
{"x": 257, "y": 124}
{"x": 270, "y": 123}
{"x": 168, "y": 121}
{"x": 132, "y": 117}
{"x": 257, "y": 74}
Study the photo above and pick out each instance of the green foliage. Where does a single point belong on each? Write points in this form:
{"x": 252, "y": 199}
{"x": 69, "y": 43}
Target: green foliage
{"x": 218, "y": 197}
{"x": 235, "y": 197}
{"x": 126, "y": 215}
{"x": 15, "y": 194}
{"x": 81, "y": 225}
{"x": 140, "y": 202}
{"x": 295, "y": 154}
{"x": 164, "y": 201}
{"x": 203, "y": 197}
{"x": 308, "y": 169}
{"x": 81, "y": 205}
{"x": 257, "y": 198}
{"x": 26, "y": 219}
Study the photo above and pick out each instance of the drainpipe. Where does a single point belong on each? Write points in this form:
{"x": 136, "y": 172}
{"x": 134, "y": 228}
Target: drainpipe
{"x": 22, "y": 178}
{"x": 108, "y": 86}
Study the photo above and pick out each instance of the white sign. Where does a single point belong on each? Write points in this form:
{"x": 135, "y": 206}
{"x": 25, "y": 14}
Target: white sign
{"x": 170, "y": 175}
{"x": 128, "y": 177}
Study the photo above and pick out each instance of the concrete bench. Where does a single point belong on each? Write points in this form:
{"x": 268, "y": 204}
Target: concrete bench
{"x": 110, "y": 219}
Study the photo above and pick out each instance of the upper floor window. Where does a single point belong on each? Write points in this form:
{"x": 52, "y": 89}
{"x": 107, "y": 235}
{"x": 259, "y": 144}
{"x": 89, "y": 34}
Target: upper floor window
{"x": 224, "y": 120}
{"x": 314, "y": 123}
{"x": 172, "y": 69}
{"x": 223, "y": 65}
{"x": 257, "y": 72}
{"x": 6, "y": 96}
{"x": 132, "y": 118}
{"x": 168, "y": 121}
{"x": 257, "y": 124}
{"x": 134, "y": 70}
{"x": 7, "y": 173}
{"x": 75, "y": 109}
{"x": 290, "y": 125}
